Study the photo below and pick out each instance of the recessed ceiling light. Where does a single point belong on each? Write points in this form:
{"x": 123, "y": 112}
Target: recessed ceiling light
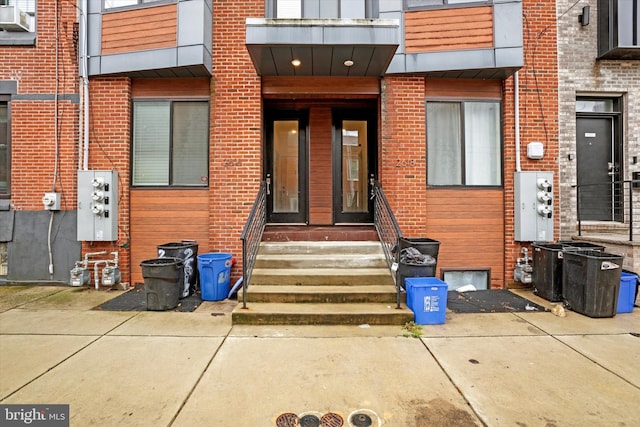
{"x": 348, "y": 63}
{"x": 296, "y": 62}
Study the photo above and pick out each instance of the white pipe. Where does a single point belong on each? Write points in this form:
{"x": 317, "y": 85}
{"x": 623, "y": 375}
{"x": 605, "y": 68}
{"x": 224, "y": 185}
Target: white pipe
{"x": 516, "y": 101}
{"x": 96, "y": 276}
{"x": 88, "y": 254}
{"x": 115, "y": 258}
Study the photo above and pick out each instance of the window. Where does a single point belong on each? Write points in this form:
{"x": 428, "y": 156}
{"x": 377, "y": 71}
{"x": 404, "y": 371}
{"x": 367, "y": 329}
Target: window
{"x": 322, "y": 9}
{"x": 456, "y": 278}
{"x": 170, "y": 143}
{"x": 424, "y": 4}
{"x": 110, "y": 4}
{"x": 5, "y": 161}
{"x": 25, "y": 18}
{"x": 464, "y": 144}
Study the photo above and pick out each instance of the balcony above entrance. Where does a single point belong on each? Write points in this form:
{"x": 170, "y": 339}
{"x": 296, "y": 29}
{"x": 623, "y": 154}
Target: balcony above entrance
{"x": 322, "y": 47}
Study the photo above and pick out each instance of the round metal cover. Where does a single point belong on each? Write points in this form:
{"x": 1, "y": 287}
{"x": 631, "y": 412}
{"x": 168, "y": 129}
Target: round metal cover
{"x": 331, "y": 419}
{"x": 361, "y": 420}
{"x": 287, "y": 420}
{"x": 309, "y": 421}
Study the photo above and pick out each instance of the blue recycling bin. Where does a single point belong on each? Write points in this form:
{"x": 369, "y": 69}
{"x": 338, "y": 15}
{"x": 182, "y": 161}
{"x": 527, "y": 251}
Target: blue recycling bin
{"x": 215, "y": 275}
{"x": 427, "y": 298}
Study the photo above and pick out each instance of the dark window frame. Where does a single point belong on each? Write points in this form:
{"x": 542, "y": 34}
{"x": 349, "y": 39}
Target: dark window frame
{"x": 139, "y": 4}
{"x": 372, "y": 9}
{"x": 170, "y": 185}
{"x": 410, "y": 6}
{"x": 462, "y": 102}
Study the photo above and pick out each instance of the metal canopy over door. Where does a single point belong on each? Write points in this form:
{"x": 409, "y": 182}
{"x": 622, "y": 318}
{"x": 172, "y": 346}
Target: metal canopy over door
{"x": 286, "y": 171}
{"x": 598, "y": 169}
{"x": 354, "y": 165}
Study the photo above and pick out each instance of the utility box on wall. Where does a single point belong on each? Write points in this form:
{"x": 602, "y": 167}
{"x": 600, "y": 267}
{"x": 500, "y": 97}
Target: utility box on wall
{"x": 533, "y": 206}
{"x": 97, "y": 205}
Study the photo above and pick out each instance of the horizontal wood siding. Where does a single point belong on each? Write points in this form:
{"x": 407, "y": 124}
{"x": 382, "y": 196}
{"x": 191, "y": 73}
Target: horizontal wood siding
{"x": 162, "y": 216}
{"x": 469, "y": 224}
{"x": 140, "y": 29}
{"x": 464, "y": 89}
{"x": 319, "y": 87}
{"x": 449, "y": 29}
{"x": 171, "y": 88}
{"x": 320, "y": 181}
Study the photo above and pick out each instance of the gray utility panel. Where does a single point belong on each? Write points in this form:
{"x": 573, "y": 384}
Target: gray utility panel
{"x": 97, "y": 205}
{"x": 533, "y": 206}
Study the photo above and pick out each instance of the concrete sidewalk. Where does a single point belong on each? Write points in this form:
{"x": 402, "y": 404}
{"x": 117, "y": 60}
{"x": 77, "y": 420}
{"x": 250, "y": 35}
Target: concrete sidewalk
{"x": 188, "y": 369}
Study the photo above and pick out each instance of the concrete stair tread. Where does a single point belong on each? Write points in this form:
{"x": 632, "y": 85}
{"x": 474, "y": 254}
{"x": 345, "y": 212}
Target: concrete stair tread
{"x": 322, "y": 247}
{"x": 333, "y": 271}
{"x": 322, "y": 314}
{"x": 322, "y": 288}
{"x": 304, "y": 308}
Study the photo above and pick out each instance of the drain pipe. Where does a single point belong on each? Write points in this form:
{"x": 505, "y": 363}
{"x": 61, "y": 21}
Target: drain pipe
{"x": 516, "y": 101}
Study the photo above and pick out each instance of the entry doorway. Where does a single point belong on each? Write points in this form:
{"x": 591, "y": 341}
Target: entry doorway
{"x": 319, "y": 163}
{"x": 354, "y": 165}
{"x": 285, "y": 168}
{"x": 599, "y": 152}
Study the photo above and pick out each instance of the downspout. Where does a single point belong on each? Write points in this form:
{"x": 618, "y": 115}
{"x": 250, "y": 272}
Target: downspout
{"x": 55, "y": 136}
{"x": 516, "y": 101}
{"x": 85, "y": 85}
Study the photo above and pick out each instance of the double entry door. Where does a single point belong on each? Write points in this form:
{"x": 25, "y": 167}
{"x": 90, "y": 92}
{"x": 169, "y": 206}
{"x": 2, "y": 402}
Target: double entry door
{"x": 319, "y": 164}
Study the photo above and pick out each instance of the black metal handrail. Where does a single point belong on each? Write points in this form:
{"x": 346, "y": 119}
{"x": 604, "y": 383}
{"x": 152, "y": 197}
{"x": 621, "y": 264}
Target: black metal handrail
{"x": 622, "y": 211}
{"x": 251, "y": 238}
{"x": 389, "y": 232}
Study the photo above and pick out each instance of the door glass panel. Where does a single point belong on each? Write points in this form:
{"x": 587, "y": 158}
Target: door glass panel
{"x": 354, "y": 166}
{"x": 285, "y": 166}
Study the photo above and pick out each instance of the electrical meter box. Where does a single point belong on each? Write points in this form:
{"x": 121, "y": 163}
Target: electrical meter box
{"x": 97, "y": 205}
{"x": 533, "y": 206}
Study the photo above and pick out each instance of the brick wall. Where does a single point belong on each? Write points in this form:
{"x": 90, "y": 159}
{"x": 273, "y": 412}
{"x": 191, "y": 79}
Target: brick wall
{"x": 236, "y": 138}
{"x": 403, "y": 150}
{"x": 581, "y": 74}
{"x": 110, "y": 149}
{"x": 33, "y": 110}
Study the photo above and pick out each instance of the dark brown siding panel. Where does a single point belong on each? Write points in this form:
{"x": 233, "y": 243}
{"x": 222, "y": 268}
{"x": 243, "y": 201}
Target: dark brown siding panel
{"x": 319, "y": 87}
{"x": 140, "y": 29}
{"x": 320, "y": 182}
{"x": 464, "y": 89}
{"x": 470, "y": 226}
{"x": 449, "y": 29}
{"x": 174, "y": 88}
{"x": 163, "y": 216}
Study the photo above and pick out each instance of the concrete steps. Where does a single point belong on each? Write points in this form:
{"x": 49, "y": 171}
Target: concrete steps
{"x": 325, "y": 282}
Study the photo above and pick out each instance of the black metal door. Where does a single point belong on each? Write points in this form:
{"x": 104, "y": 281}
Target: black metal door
{"x": 598, "y": 168}
{"x": 354, "y": 165}
{"x": 286, "y": 167}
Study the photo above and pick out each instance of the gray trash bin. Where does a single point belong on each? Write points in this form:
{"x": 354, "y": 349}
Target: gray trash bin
{"x": 163, "y": 279}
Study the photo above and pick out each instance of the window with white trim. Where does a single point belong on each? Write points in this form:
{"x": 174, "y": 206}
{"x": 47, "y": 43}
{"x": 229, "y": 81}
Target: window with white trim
{"x": 464, "y": 143}
{"x": 170, "y": 143}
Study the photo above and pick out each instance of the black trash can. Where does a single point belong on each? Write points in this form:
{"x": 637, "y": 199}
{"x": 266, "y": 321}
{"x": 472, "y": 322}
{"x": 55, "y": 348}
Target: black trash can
{"x": 163, "y": 280}
{"x": 413, "y": 263}
{"x": 546, "y": 276}
{"x": 591, "y": 282}
{"x": 187, "y": 251}
{"x": 425, "y": 245}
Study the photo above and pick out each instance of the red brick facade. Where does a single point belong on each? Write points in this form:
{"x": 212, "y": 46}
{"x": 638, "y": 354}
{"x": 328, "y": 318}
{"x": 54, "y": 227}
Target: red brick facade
{"x": 236, "y": 129}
